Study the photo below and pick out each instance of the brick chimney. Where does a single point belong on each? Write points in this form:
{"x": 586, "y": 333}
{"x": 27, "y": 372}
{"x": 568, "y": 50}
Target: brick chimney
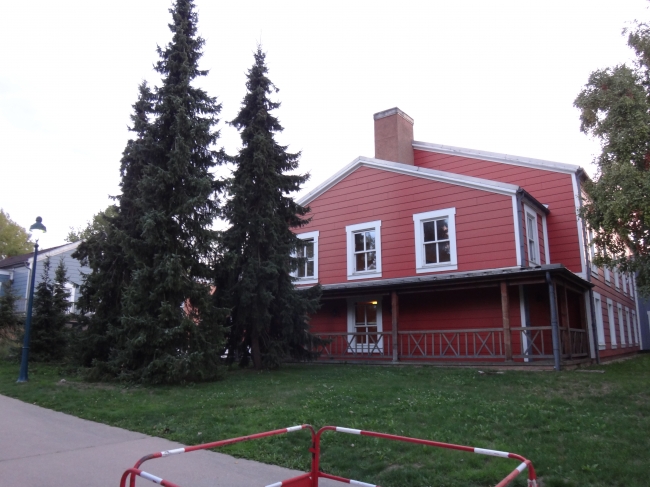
{"x": 394, "y": 136}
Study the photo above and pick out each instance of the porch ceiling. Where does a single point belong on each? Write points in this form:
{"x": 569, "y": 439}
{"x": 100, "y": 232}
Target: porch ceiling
{"x": 458, "y": 280}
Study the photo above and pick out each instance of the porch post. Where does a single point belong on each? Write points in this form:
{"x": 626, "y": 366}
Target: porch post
{"x": 505, "y": 314}
{"x": 554, "y": 326}
{"x": 565, "y": 312}
{"x": 395, "y": 313}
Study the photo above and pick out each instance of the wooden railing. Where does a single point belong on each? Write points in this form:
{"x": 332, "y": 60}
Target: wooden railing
{"x": 478, "y": 343}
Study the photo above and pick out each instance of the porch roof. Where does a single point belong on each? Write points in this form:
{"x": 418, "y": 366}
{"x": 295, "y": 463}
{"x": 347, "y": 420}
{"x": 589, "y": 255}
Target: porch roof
{"x": 484, "y": 278}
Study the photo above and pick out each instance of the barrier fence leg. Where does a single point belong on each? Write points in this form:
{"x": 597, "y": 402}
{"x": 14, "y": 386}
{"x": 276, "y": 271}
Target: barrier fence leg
{"x": 315, "y": 459}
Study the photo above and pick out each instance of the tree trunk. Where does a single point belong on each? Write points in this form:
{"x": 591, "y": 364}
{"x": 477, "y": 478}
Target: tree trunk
{"x": 255, "y": 350}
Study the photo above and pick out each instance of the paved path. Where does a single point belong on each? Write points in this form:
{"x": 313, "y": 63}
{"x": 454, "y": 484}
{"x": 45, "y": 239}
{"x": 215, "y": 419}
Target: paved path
{"x": 43, "y": 448}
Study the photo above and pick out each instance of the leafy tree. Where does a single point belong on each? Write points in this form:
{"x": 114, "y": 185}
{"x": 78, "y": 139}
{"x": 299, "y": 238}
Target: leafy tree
{"x": 96, "y": 225}
{"x": 9, "y": 320}
{"x": 268, "y": 318}
{"x": 167, "y": 329}
{"x": 14, "y": 239}
{"x": 615, "y": 108}
{"x": 50, "y": 312}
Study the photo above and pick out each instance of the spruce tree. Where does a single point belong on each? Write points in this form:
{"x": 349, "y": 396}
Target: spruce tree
{"x": 48, "y": 338}
{"x": 169, "y": 331}
{"x": 103, "y": 250}
{"x": 154, "y": 319}
{"x": 268, "y": 318}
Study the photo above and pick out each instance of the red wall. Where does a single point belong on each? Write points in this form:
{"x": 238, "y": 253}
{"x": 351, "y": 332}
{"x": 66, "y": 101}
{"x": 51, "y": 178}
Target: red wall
{"x": 484, "y": 222}
{"x": 550, "y": 188}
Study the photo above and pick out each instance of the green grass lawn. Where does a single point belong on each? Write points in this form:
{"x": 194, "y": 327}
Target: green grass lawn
{"x": 578, "y": 428}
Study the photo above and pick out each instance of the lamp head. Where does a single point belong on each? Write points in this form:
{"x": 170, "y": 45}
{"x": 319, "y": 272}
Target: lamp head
{"x": 38, "y": 228}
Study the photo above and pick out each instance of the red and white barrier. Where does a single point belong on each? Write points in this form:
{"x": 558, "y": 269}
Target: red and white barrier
{"x": 310, "y": 479}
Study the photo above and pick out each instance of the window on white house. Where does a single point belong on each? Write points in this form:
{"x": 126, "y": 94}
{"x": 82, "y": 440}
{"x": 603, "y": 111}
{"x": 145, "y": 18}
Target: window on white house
{"x": 532, "y": 237}
{"x": 600, "y": 328}
{"x": 612, "y": 324}
{"x": 307, "y": 251}
{"x": 621, "y": 324}
{"x": 435, "y": 241}
{"x": 71, "y": 296}
{"x": 364, "y": 321}
{"x": 364, "y": 250}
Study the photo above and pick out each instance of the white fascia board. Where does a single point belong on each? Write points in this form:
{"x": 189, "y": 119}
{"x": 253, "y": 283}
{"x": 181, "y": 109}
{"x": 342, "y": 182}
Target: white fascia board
{"x": 496, "y": 157}
{"x": 60, "y": 250}
{"x": 415, "y": 171}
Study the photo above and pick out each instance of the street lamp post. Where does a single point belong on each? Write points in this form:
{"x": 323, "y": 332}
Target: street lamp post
{"x": 37, "y": 228}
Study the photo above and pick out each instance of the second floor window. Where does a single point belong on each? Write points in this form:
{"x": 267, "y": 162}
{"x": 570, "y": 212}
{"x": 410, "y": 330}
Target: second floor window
{"x": 364, "y": 250}
{"x": 435, "y": 240}
{"x": 306, "y": 252}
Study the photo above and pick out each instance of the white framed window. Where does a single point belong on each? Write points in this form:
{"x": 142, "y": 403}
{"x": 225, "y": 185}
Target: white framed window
{"x": 71, "y": 288}
{"x": 532, "y": 237}
{"x": 612, "y": 324}
{"x": 632, "y": 284}
{"x": 600, "y": 328}
{"x": 365, "y": 324}
{"x": 621, "y": 324}
{"x": 435, "y": 241}
{"x": 608, "y": 276}
{"x": 624, "y": 279}
{"x": 617, "y": 279}
{"x": 634, "y": 328}
{"x": 592, "y": 252}
{"x": 364, "y": 250}
{"x": 629, "y": 326}
{"x": 307, "y": 271}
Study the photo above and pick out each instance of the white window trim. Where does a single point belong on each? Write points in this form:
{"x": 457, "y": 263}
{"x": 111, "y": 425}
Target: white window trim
{"x": 624, "y": 279}
{"x": 612, "y": 323}
{"x": 636, "y": 337}
{"x": 592, "y": 253}
{"x": 529, "y": 212}
{"x": 363, "y": 347}
{"x": 547, "y": 251}
{"x": 350, "y": 230}
{"x": 621, "y": 324}
{"x": 71, "y": 288}
{"x": 418, "y": 219}
{"x": 629, "y": 326}
{"x": 617, "y": 280}
{"x": 600, "y": 327}
{"x": 311, "y": 279}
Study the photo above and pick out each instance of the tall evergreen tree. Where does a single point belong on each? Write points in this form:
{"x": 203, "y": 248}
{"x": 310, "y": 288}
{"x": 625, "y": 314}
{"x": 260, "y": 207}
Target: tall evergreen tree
{"x": 48, "y": 339}
{"x": 104, "y": 245}
{"x": 163, "y": 327}
{"x": 269, "y": 314}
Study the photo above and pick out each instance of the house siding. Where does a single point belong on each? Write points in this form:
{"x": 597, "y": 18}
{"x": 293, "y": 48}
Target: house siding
{"x": 552, "y": 188}
{"x": 484, "y": 222}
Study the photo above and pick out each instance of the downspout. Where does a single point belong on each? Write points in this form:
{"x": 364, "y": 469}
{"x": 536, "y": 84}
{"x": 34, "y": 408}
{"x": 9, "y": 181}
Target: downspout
{"x": 554, "y": 323}
{"x": 592, "y": 307}
{"x": 520, "y": 217}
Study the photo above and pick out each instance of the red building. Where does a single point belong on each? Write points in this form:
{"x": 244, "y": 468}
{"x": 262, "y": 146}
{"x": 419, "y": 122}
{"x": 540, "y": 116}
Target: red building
{"x": 435, "y": 253}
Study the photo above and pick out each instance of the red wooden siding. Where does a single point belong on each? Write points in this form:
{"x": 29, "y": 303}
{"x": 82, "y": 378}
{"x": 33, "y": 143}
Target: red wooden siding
{"x": 484, "y": 222}
{"x": 551, "y": 188}
{"x": 608, "y": 290}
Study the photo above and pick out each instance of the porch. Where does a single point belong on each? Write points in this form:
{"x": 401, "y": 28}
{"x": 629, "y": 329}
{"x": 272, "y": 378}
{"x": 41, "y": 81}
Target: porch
{"x": 530, "y": 316}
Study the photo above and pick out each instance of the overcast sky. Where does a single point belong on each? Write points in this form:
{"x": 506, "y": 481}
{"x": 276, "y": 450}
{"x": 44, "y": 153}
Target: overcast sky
{"x": 497, "y": 76}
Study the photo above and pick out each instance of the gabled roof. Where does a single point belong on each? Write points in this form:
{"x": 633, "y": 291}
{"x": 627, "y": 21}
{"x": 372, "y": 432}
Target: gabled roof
{"x": 496, "y": 157}
{"x": 52, "y": 251}
{"x": 419, "y": 172}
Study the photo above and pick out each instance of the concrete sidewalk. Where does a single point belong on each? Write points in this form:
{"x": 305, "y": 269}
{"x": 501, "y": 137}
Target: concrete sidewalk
{"x": 43, "y": 448}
